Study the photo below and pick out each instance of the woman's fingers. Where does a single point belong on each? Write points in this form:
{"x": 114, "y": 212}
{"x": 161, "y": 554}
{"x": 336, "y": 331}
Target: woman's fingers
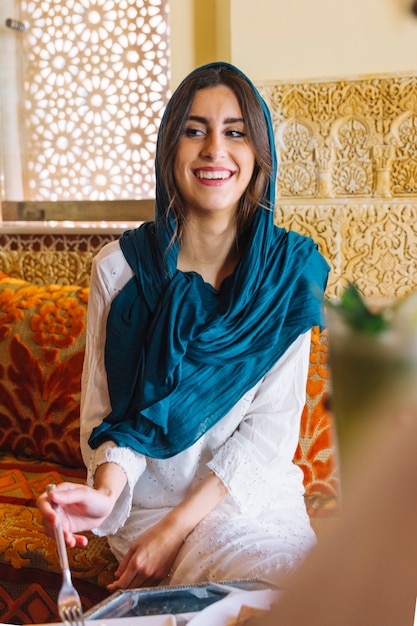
{"x": 74, "y": 540}
{"x": 131, "y": 579}
{"x": 49, "y": 515}
{"x": 81, "y": 508}
{"x": 145, "y": 563}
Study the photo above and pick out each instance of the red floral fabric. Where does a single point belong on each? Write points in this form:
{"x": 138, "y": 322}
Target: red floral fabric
{"x": 42, "y": 342}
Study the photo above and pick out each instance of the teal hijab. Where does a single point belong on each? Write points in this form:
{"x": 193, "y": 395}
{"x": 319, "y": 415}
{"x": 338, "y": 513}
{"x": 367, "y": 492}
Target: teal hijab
{"x": 179, "y": 354}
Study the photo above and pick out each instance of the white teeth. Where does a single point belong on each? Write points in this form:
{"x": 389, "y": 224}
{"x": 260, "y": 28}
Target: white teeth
{"x": 212, "y": 175}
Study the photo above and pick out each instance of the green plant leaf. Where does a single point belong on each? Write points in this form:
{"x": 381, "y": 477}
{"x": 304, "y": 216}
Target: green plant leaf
{"x": 353, "y": 309}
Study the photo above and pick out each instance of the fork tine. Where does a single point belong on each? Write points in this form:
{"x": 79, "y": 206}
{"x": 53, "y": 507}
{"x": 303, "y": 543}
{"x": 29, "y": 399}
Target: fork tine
{"x": 69, "y": 604}
{"x": 72, "y": 615}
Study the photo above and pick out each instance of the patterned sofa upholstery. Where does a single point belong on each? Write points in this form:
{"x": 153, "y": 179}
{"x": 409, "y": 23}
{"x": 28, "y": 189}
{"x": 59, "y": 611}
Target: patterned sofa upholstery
{"x": 42, "y": 343}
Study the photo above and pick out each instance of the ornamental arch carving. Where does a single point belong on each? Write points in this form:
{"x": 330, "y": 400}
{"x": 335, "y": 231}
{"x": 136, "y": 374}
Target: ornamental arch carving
{"x": 352, "y": 138}
{"x": 295, "y": 141}
{"x": 404, "y": 166}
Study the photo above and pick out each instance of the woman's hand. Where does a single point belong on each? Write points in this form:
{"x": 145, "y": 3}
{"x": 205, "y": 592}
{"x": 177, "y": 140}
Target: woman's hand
{"x": 149, "y": 558}
{"x": 81, "y": 508}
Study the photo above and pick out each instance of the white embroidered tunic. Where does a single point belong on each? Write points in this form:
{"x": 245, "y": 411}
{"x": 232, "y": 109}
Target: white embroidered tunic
{"x": 261, "y": 527}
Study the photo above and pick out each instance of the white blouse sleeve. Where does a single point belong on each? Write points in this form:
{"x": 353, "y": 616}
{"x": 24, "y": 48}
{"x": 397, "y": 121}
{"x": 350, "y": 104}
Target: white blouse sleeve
{"x": 110, "y": 272}
{"x": 255, "y": 463}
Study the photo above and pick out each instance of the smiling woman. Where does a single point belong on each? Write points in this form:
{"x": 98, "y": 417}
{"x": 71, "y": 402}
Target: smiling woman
{"x": 213, "y": 168}
{"x": 198, "y": 341}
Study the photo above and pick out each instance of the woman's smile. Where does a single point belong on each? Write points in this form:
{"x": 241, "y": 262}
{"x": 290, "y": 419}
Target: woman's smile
{"x": 213, "y": 175}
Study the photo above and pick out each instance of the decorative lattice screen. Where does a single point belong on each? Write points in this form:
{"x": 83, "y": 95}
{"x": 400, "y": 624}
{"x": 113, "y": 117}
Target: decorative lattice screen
{"x": 95, "y": 80}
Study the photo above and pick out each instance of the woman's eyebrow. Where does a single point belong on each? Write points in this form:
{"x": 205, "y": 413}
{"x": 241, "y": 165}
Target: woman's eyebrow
{"x": 204, "y": 120}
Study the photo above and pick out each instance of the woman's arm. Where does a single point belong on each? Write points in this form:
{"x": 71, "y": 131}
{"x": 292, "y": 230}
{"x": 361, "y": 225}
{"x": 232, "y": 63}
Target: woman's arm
{"x": 199, "y": 503}
{"x": 255, "y": 462}
{"x": 93, "y": 506}
{"x": 110, "y": 272}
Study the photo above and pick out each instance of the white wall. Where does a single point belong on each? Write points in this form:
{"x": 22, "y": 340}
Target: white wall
{"x": 182, "y": 39}
{"x": 283, "y": 39}
{"x": 296, "y": 39}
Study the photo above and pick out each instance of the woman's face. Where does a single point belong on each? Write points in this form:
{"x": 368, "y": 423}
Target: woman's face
{"x": 214, "y": 161}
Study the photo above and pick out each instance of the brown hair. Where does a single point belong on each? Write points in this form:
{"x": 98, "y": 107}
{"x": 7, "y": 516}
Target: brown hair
{"x": 257, "y": 132}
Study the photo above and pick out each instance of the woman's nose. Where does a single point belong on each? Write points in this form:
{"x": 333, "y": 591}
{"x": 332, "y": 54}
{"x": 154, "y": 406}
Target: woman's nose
{"x": 214, "y": 147}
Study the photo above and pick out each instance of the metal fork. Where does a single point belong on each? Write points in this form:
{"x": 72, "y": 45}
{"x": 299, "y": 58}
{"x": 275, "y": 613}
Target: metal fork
{"x": 69, "y": 603}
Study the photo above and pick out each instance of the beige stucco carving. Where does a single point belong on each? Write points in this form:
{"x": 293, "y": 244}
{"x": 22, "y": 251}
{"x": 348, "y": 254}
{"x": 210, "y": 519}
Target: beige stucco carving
{"x": 347, "y": 150}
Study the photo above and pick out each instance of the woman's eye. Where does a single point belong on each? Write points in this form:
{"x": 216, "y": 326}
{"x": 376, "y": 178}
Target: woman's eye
{"x": 193, "y": 132}
{"x": 236, "y": 133}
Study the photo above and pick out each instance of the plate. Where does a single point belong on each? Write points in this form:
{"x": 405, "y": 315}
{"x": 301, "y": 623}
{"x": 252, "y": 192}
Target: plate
{"x": 170, "y": 600}
{"x": 220, "y": 612}
{"x": 143, "y": 620}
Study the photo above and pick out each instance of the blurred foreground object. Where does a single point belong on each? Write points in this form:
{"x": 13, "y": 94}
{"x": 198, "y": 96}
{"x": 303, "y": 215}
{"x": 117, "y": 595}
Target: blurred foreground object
{"x": 373, "y": 363}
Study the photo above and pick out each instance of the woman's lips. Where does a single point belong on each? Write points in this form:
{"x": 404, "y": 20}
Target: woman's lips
{"x": 213, "y": 176}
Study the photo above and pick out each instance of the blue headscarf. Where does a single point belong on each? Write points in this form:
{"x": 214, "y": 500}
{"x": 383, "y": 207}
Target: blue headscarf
{"x": 179, "y": 354}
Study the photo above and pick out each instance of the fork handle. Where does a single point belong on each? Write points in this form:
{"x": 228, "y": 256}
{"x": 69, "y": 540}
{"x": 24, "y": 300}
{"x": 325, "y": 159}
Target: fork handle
{"x": 59, "y": 533}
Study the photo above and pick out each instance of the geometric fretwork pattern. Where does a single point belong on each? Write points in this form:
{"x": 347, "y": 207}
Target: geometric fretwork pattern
{"x": 95, "y": 81}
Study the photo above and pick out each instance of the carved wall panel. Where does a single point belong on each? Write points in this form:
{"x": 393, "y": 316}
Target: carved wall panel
{"x": 51, "y": 258}
{"x": 347, "y": 150}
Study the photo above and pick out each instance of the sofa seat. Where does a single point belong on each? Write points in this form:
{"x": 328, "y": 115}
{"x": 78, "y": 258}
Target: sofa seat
{"x": 29, "y": 568}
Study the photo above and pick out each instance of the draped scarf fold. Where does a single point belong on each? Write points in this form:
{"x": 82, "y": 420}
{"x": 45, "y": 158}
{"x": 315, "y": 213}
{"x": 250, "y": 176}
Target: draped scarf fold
{"x": 179, "y": 354}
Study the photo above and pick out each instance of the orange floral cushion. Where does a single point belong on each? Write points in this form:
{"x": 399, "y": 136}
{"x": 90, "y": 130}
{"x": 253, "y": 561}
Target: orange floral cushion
{"x": 42, "y": 343}
{"x": 316, "y": 452}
